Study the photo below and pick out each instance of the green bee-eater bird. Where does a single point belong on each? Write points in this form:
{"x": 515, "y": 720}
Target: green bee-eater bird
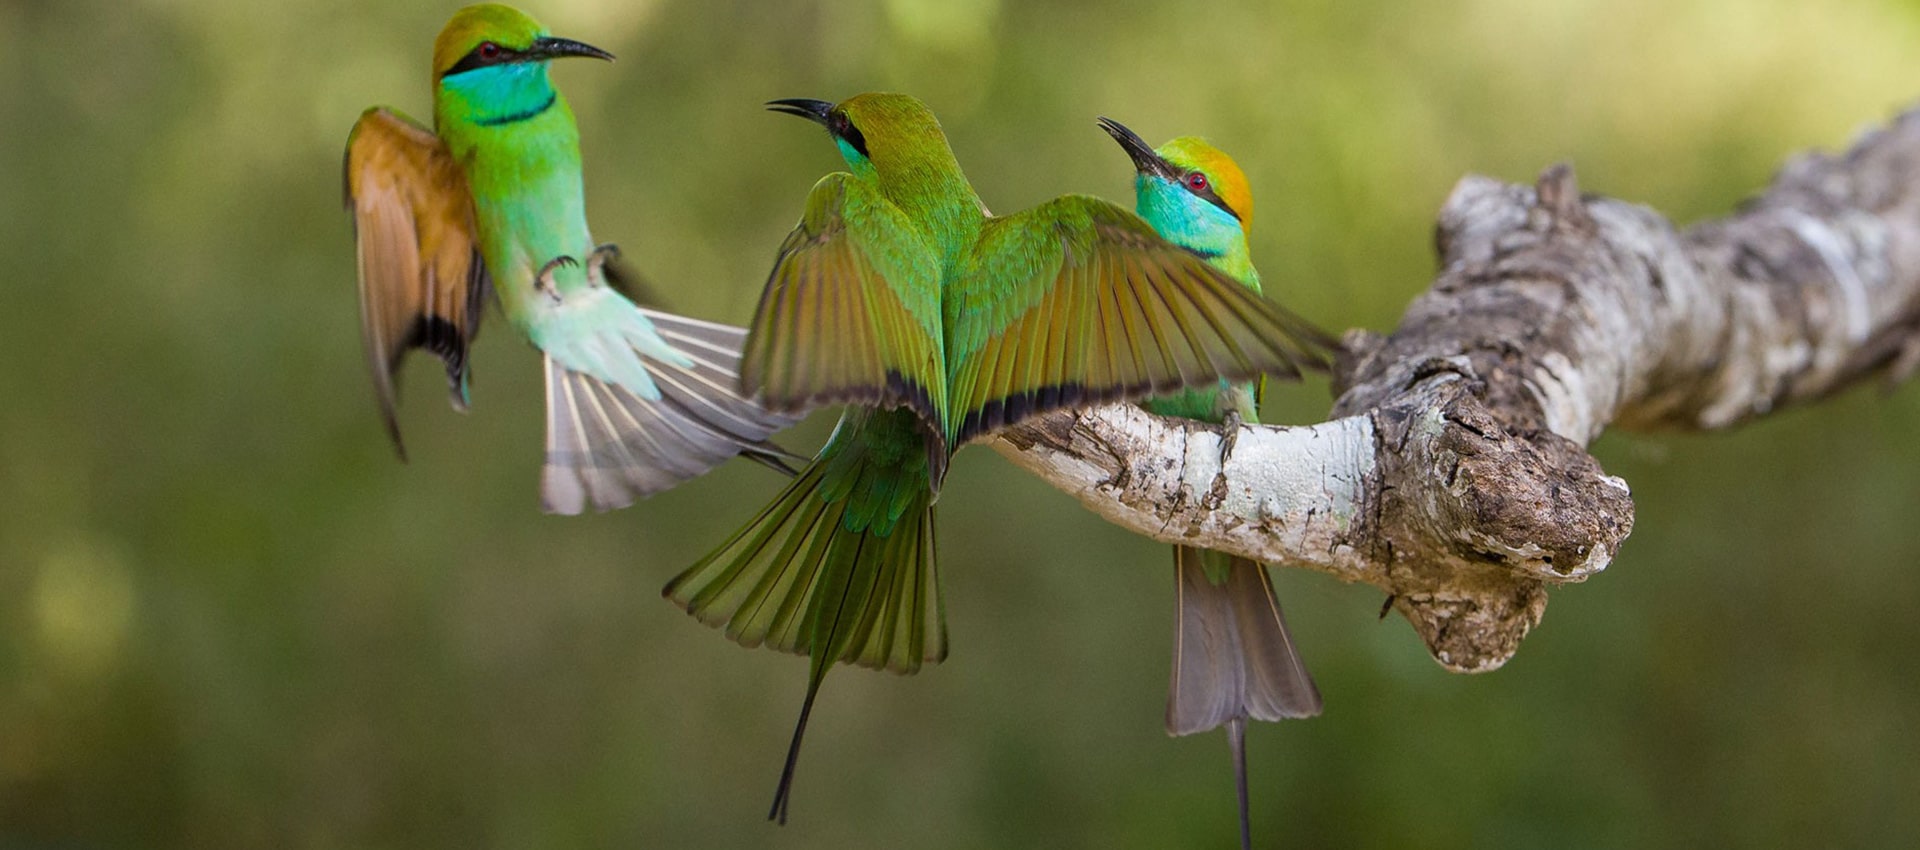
{"x": 491, "y": 200}
{"x": 899, "y": 294}
{"x": 1232, "y": 657}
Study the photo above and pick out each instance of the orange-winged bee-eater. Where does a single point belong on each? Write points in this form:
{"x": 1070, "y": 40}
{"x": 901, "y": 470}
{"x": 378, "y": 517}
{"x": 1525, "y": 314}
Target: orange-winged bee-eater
{"x": 491, "y": 201}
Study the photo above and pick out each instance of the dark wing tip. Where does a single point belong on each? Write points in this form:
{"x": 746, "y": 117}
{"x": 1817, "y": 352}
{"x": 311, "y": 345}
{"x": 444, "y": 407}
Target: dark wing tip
{"x": 392, "y": 420}
{"x": 774, "y": 456}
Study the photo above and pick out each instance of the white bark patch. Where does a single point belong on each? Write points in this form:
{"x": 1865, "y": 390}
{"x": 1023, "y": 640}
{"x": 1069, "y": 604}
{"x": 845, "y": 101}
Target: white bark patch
{"x": 1454, "y": 476}
{"x": 1561, "y": 390}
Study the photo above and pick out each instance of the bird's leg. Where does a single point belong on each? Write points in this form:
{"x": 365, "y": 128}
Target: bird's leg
{"x": 597, "y": 262}
{"x": 543, "y": 282}
{"x": 1229, "y": 435}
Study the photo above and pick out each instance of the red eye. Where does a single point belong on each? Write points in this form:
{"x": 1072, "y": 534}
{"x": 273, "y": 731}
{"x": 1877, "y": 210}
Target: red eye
{"x": 489, "y": 50}
{"x": 1197, "y": 181}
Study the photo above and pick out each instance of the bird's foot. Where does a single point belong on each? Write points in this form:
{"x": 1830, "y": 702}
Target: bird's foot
{"x": 1229, "y": 436}
{"x": 543, "y": 282}
{"x": 597, "y": 262}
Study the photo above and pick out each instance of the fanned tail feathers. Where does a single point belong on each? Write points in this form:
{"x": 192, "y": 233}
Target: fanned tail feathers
{"x": 818, "y": 573}
{"x": 1233, "y": 656}
{"x": 840, "y": 567}
{"x": 608, "y": 445}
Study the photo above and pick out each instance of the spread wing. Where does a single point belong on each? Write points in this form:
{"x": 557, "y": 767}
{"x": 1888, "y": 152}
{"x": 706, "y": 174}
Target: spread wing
{"x": 1079, "y": 302}
{"x": 422, "y": 283}
{"x": 851, "y": 312}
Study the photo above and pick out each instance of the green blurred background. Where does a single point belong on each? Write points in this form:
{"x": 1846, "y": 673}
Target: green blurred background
{"x": 229, "y": 618}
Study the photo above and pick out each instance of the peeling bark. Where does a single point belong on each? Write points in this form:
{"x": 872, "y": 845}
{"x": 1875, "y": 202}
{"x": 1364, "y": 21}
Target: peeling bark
{"x": 1455, "y": 475}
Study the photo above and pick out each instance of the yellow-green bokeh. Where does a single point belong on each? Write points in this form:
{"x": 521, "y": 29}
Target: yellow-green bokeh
{"x": 229, "y": 618}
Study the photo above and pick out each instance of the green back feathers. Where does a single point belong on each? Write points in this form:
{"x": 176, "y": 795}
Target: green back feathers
{"x": 909, "y": 161}
{"x": 1073, "y": 302}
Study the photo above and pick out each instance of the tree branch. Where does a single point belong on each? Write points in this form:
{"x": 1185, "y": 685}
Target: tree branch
{"x": 1455, "y": 475}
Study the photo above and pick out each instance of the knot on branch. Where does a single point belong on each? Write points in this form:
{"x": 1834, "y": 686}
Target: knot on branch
{"x": 1481, "y": 515}
{"x": 1474, "y": 630}
{"x": 1559, "y": 199}
{"x": 1454, "y": 476}
{"x": 1533, "y": 502}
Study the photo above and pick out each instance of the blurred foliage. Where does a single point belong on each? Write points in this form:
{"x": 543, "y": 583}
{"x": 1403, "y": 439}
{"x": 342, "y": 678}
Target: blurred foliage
{"x": 229, "y": 618}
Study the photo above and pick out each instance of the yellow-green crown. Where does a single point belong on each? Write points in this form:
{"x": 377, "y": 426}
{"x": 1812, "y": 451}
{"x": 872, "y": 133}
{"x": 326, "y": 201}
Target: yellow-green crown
{"x": 1228, "y": 181}
{"x": 898, "y": 118}
{"x": 500, "y": 24}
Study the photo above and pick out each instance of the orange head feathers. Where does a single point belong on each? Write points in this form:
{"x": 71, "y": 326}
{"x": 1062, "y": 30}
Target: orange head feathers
{"x": 1196, "y": 155}
{"x": 1194, "y": 196}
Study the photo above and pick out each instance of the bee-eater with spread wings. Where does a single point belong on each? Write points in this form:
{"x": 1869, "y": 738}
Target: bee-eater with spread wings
{"x": 900, "y": 295}
{"x": 1232, "y": 655}
{"x": 491, "y": 199}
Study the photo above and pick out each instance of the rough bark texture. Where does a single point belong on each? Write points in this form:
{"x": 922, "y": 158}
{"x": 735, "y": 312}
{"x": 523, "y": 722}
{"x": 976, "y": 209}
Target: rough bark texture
{"x": 1455, "y": 475}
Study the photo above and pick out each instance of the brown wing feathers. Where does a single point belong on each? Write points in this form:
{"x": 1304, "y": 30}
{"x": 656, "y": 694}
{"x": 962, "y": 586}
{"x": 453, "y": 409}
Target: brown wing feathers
{"x": 422, "y": 284}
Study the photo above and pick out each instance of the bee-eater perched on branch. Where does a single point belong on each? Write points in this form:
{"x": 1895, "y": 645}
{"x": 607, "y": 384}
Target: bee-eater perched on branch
{"x": 939, "y": 323}
{"x": 1232, "y": 656}
{"x": 491, "y": 199}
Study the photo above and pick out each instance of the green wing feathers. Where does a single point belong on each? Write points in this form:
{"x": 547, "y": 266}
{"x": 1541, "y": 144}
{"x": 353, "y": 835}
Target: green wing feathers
{"x": 851, "y": 311}
{"x": 841, "y": 566}
{"x": 1078, "y": 302}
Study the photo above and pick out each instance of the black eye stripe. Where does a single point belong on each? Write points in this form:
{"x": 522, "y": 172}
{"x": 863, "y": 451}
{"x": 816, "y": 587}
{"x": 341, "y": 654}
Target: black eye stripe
{"x": 1209, "y": 196}
{"x": 842, "y": 128}
{"x": 502, "y": 55}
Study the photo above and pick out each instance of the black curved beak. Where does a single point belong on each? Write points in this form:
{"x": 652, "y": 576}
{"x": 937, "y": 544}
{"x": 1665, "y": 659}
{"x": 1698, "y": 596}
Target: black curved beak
{"x": 561, "y": 48}
{"x": 1144, "y": 159}
{"x": 808, "y": 108}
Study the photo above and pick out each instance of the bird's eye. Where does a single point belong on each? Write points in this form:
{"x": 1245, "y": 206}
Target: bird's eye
{"x": 1197, "y": 181}
{"x": 489, "y": 50}
{"x": 842, "y": 128}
